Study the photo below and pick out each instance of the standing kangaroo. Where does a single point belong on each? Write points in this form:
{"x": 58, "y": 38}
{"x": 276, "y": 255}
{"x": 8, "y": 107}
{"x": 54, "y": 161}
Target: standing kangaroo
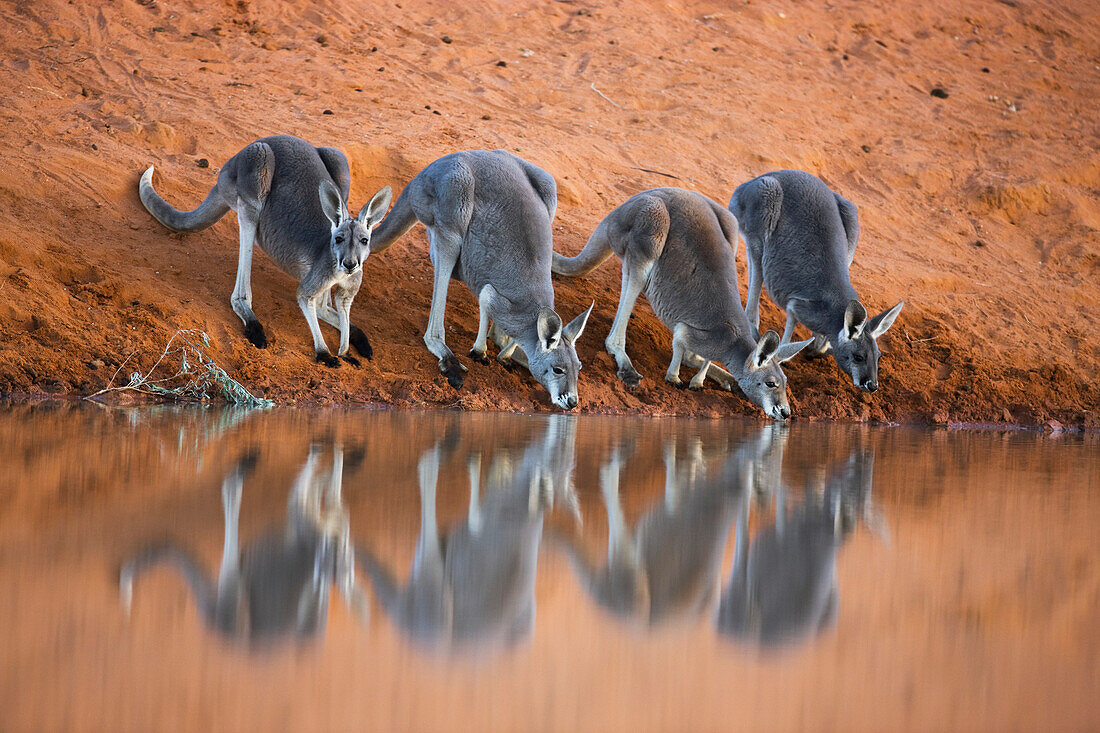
{"x": 801, "y": 240}
{"x": 278, "y": 586}
{"x": 667, "y": 568}
{"x": 488, "y": 215}
{"x": 680, "y": 248}
{"x": 475, "y": 586}
{"x": 783, "y": 585}
{"x": 290, "y": 198}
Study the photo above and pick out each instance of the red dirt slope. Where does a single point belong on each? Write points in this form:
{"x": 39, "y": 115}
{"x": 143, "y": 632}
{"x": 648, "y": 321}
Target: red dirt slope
{"x": 980, "y": 209}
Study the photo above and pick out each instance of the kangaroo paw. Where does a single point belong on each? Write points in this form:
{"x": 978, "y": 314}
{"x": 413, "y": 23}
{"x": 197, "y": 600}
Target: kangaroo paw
{"x": 351, "y": 360}
{"x": 675, "y": 382}
{"x": 479, "y": 356}
{"x": 453, "y": 370}
{"x": 323, "y": 357}
{"x": 254, "y": 332}
{"x": 359, "y": 340}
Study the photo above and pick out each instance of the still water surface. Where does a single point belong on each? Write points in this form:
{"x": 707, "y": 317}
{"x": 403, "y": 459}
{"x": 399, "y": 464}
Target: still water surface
{"x": 334, "y": 570}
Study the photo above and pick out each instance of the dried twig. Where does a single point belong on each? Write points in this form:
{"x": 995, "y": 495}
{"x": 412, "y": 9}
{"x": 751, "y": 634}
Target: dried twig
{"x": 597, "y": 91}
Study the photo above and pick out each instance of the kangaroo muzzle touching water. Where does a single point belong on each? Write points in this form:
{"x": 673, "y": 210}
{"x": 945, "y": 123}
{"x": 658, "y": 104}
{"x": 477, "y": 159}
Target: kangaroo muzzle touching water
{"x": 290, "y": 198}
{"x": 488, "y": 216}
{"x": 679, "y": 248}
{"x": 801, "y": 239}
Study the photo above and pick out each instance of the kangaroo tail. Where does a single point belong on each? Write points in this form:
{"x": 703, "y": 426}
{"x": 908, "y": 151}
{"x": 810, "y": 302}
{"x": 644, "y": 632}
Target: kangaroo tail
{"x": 592, "y": 256}
{"x": 400, "y": 220}
{"x": 209, "y": 211}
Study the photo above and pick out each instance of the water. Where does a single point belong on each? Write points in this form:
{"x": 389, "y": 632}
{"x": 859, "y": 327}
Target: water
{"x": 756, "y": 577}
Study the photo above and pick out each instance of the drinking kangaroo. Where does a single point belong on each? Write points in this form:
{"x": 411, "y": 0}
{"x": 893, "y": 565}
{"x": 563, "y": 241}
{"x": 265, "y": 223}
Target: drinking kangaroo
{"x": 291, "y": 199}
{"x": 801, "y": 239}
{"x": 679, "y": 247}
{"x": 488, "y": 215}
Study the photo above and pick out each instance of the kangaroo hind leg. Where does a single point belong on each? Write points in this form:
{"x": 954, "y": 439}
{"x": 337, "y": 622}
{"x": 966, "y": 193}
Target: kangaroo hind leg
{"x": 254, "y": 168}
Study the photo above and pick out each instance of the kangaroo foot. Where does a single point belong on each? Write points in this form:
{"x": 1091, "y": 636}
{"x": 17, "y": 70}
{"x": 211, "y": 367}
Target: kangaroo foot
{"x": 675, "y": 381}
{"x": 453, "y": 370}
{"x": 351, "y": 360}
{"x": 254, "y": 332}
{"x": 630, "y": 377}
{"x": 479, "y": 356}
{"x": 323, "y": 357}
{"x": 359, "y": 340}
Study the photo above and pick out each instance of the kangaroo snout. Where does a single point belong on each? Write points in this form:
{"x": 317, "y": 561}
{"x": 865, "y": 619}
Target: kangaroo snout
{"x": 350, "y": 265}
{"x": 869, "y": 385}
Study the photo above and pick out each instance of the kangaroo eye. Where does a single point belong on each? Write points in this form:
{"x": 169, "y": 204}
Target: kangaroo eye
{"x": 338, "y": 239}
{"x": 772, "y": 384}
{"x": 858, "y": 358}
{"x": 364, "y": 241}
{"x": 559, "y": 371}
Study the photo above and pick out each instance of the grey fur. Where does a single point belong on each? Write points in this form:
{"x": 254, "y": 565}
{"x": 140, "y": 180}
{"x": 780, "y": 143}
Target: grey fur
{"x": 667, "y": 567}
{"x": 801, "y": 240}
{"x": 488, "y": 215}
{"x": 291, "y": 199}
{"x": 279, "y": 584}
{"x": 783, "y": 585}
{"x": 475, "y": 586}
{"x": 679, "y": 247}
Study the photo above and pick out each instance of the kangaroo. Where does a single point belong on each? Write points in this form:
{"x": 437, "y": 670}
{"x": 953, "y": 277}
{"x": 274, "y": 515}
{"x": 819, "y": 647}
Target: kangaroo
{"x": 291, "y": 199}
{"x": 783, "y": 586}
{"x": 801, "y": 240}
{"x": 476, "y": 586}
{"x": 680, "y": 248}
{"x": 488, "y": 215}
{"x": 667, "y": 568}
{"x": 278, "y": 586}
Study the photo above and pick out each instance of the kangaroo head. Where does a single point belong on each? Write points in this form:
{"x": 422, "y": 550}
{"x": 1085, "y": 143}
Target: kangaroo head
{"x": 554, "y": 361}
{"x": 350, "y": 237}
{"x": 762, "y": 379}
{"x": 856, "y": 349}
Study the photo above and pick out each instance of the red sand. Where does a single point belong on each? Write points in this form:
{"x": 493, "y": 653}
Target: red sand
{"x": 980, "y": 209}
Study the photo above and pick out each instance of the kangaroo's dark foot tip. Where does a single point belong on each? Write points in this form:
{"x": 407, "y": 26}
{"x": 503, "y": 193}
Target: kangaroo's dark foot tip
{"x": 359, "y": 340}
{"x": 479, "y": 356}
{"x": 254, "y": 332}
{"x": 323, "y": 357}
{"x": 453, "y": 370}
{"x": 695, "y": 388}
{"x": 631, "y": 379}
{"x": 351, "y": 360}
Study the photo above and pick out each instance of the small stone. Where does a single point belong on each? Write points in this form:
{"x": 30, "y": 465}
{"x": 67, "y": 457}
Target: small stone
{"x": 95, "y": 147}
{"x": 1055, "y": 426}
{"x": 865, "y": 148}
{"x": 446, "y": 39}
{"x": 939, "y": 93}
{"x": 502, "y": 63}
{"x": 985, "y": 69}
{"x": 322, "y": 39}
{"x": 978, "y": 243}
{"x": 939, "y": 417}
{"x": 96, "y": 364}
{"x": 203, "y": 163}
{"x": 327, "y": 112}
{"x": 486, "y": 117}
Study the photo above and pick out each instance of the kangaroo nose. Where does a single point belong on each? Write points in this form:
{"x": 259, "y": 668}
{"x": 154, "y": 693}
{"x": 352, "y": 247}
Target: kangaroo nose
{"x": 869, "y": 386}
{"x": 570, "y": 401}
{"x": 350, "y": 265}
{"x": 784, "y": 412}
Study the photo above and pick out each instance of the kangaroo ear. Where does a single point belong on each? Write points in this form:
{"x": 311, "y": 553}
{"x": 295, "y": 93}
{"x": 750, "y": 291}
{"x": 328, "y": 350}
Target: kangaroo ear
{"x": 787, "y": 351}
{"x": 549, "y": 328}
{"x": 766, "y": 348}
{"x": 331, "y": 202}
{"x": 576, "y": 326}
{"x": 882, "y": 322}
{"x": 855, "y": 318}
{"x": 371, "y": 214}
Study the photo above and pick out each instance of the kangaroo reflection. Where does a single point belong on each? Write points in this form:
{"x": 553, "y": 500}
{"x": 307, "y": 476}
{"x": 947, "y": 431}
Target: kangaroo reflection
{"x": 667, "y": 568}
{"x": 475, "y": 586}
{"x": 783, "y": 587}
{"x": 278, "y": 586}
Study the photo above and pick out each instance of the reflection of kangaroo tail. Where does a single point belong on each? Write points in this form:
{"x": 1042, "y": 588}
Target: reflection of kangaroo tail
{"x": 201, "y": 587}
{"x": 386, "y": 590}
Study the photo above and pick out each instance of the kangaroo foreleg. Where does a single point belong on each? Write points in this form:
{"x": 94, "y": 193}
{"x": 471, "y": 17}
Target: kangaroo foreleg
{"x": 445, "y": 251}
